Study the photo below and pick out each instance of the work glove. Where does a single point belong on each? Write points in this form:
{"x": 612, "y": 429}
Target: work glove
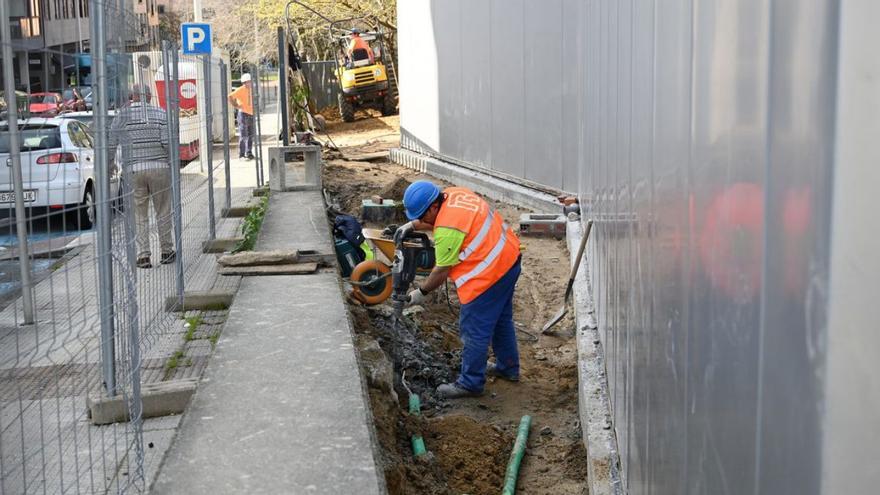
{"x": 401, "y": 231}
{"x": 416, "y": 296}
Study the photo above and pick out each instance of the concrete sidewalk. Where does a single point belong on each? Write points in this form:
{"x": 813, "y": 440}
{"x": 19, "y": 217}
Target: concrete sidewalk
{"x": 282, "y": 407}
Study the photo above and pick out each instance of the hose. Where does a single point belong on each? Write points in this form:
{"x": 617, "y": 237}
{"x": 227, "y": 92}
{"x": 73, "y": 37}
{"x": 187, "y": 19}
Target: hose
{"x": 415, "y": 407}
{"x": 519, "y": 450}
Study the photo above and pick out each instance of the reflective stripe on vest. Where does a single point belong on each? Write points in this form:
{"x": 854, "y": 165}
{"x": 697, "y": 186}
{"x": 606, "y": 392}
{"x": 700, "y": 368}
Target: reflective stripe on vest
{"x": 485, "y": 263}
{"x": 480, "y": 237}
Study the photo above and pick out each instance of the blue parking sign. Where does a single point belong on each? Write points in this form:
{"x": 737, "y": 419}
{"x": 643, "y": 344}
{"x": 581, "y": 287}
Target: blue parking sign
{"x": 196, "y": 37}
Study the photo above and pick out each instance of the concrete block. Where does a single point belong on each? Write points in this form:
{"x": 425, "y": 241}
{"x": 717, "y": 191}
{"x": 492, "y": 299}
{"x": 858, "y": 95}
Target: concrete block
{"x": 237, "y": 211}
{"x": 159, "y": 399}
{"x": 389, "y": 211}
{"x": 542, "y": 225}
{"x": 285, "y": 269}
{"x": 279, "y": 178}
{"x": 200, "y": 300}
{"x": 221, "y": 245}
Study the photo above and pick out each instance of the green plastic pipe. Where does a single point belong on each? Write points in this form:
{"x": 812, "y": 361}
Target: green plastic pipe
{"x": 519, "y": 450}
{"x": 418, "y": 443}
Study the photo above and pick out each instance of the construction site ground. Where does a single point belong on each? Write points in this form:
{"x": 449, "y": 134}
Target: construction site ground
{"x": 469, "y": 440}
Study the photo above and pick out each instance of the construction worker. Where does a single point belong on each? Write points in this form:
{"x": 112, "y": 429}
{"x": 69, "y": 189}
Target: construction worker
{"x": 358, "y": 43}
{"x": 480, "y": 253}
{"x": 242, "y": 100}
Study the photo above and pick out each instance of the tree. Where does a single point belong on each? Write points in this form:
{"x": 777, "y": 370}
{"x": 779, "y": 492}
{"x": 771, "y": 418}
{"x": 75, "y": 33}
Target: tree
{"x": 249, "y": 30}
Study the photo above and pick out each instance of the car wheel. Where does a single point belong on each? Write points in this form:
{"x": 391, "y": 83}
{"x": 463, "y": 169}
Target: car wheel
{"x": 86, "y": 210}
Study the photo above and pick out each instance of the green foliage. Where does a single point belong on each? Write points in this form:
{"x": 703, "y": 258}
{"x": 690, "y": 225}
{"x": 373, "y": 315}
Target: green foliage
{"x": 250, "y": 227}
{"x": 174, "y": 361}
{"x": 194, "y": 322}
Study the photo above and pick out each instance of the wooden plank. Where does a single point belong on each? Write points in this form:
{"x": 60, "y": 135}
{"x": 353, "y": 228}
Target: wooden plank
{"x": 367, "y": 157}
{"x": 289, "y": 269}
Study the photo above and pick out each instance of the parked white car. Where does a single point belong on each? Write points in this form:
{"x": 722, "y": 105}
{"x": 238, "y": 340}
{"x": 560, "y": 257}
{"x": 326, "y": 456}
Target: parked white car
{"x": 58, "y": 169}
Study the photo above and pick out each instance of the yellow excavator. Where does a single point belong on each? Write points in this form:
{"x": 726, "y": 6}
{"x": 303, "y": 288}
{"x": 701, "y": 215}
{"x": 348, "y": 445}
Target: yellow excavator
{"x": 361, "y": 70}
{"x": 364, "y": 70}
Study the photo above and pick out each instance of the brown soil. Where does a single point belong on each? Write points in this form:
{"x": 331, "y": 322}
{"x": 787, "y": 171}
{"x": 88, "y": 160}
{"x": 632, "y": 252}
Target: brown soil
{"x": 469, "y": 440}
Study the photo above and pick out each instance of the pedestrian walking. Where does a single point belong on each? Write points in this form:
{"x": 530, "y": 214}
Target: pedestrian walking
{"x": 242, "y": 99}
{"x": 142, "y": 127}
{"x": 475, "y": 248}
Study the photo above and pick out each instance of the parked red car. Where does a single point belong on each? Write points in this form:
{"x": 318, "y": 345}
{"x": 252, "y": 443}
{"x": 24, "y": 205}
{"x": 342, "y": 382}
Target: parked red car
{"x": 44, "y": 104}
{"x": 72, "y": 101}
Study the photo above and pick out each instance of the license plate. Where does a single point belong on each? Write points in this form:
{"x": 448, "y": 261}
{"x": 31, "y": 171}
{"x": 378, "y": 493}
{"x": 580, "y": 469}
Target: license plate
{"x": 9, "y": 196}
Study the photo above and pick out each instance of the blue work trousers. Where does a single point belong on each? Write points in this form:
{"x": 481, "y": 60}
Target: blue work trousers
{"x": 489, "y": 319}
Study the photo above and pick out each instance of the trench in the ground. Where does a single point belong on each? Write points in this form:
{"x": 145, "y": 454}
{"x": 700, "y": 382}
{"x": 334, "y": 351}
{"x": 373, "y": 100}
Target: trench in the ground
{"x": 469, "y": 440}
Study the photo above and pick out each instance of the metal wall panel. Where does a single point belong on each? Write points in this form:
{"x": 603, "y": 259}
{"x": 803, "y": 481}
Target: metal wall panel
{"x": 702, "y": 133}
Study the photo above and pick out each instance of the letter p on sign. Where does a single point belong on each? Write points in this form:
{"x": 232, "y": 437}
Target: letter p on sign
{"x": 196, "y": 38}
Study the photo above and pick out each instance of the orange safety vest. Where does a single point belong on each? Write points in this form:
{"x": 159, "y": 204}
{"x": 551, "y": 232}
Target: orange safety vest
{"x": 490, "y": 247}
{"x": 358, "y": 43}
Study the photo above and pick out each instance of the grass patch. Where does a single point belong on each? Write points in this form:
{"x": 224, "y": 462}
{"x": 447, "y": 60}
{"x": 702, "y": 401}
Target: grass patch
{"x": 174, "y": 361}
{"x": 194, "y": 322}
{"x": 214, "y": 338}
{"x": 250, "y": 227}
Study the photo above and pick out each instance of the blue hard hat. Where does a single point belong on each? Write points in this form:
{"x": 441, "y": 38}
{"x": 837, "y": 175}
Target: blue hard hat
{"x": 418, "y": 197}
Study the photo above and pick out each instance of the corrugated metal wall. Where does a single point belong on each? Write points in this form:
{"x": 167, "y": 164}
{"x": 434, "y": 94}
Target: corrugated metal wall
{"x": 322, "y": 82}
{"x": 703, "y": 134}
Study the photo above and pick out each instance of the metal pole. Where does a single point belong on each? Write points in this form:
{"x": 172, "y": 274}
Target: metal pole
{"x": 209, "y": 146}
{"x": 282, "y": 86}
{"x": 172, "y": 106}
{"x": 225, "y": 113}
{"x": 24, "y": 261}
{"x": 102, "y": 200}
{"x": 258, "y": 127}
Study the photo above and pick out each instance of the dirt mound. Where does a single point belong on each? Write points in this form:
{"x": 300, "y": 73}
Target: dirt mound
{"x": 472, "y": 455}
{"x": 396, "y": 189}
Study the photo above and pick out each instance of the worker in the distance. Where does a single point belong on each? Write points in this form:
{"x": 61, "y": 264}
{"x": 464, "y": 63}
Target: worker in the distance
{"x": 480, "y": 253}
{"x": 242, "y": 99}
{"x": 358, "y": 43}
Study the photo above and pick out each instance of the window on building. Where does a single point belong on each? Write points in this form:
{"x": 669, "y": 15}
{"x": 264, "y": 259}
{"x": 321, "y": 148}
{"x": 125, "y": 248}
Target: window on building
{"x": 161, "y": 9}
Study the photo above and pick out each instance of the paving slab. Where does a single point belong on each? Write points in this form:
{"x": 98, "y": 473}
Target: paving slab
{"x": 296, "y": 220}
{"x": 281, "y": 407}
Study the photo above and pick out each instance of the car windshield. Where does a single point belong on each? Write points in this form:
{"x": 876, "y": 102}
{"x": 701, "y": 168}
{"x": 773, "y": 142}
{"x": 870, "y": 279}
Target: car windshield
{"x": 85, "y": 119}
{"x": 32, "y": 137}
{"x": 67, "y": 94}
{"x": 42, "y": 99}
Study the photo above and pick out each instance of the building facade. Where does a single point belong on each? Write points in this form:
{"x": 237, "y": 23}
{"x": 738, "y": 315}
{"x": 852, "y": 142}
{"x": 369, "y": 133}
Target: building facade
{"x": 47, "y": 35}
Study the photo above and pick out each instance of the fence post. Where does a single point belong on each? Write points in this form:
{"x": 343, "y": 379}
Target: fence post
{"x": 282, "y": 86}
{"x": 102, "y": 200}
{"x": 258, "y": 145}
{"x": 224, "y": 105}
{"x": 24, "y": 262}
{"x": 172, "y": 106}
{"x": 209, "y": 146}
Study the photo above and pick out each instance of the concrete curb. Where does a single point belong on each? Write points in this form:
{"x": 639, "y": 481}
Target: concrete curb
{"x": 492, "y": 187}
{"x": 594, "y": 406}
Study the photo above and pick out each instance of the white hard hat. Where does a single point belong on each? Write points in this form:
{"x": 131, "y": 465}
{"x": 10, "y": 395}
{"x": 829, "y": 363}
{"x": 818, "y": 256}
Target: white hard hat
{"x": 245, "y": 77}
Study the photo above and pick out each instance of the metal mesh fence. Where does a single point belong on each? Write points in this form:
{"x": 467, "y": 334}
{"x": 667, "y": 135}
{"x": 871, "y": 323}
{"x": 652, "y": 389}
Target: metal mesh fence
{"x": 115, "y": 170}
